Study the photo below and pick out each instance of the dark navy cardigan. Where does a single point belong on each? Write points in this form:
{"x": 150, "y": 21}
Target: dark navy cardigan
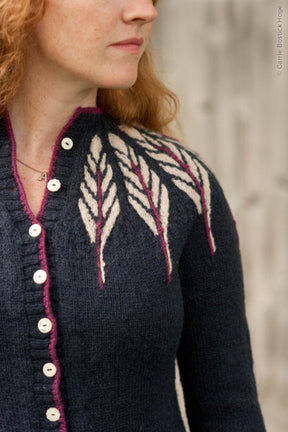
{"x": 132, "y": 262}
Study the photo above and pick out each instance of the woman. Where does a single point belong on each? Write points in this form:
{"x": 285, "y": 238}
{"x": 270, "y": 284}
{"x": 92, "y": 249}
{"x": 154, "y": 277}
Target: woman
{"x": 119, "y": 253}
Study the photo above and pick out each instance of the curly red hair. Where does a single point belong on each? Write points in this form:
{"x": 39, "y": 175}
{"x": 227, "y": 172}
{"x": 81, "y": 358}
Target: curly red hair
{"x": 148, "y": 103}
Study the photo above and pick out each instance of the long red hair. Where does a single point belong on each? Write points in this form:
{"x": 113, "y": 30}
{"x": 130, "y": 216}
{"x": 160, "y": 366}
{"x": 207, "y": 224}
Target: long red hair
{"x": 148, "y": 103}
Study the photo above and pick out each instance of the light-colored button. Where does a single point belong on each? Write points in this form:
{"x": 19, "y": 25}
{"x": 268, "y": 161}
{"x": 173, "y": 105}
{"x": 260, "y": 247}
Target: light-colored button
{"x": 53, "y": 185}
{"x": 35, "y": 230}
{"x": 53, "y": 414}
{"x": 44, "y": 325}
{"x": 40, "y": 276}
{"x": 67, "y": 143}
{"x": 49, "y": 369}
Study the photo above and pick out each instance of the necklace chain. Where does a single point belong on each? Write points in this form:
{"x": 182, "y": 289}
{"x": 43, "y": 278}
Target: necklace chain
{"x": 44, "y": 174}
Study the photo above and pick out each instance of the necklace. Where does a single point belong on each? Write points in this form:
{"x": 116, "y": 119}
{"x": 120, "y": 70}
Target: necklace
{"x": 44, "y": 174}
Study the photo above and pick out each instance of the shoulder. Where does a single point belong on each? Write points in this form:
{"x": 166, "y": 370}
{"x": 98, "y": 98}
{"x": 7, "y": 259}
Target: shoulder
{"x": 186, "y": 167}
{"x": 187, "y": 171}
{"x": 160, "y": 169}
{"x": 171, "y": 154}
{"x": 146, "y": 150}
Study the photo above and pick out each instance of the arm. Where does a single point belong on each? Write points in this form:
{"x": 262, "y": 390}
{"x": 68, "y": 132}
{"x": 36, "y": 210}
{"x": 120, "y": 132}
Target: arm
{"x": 214, "y": 356}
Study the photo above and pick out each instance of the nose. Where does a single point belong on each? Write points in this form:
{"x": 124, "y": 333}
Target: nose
{"x": 139, "y": 11}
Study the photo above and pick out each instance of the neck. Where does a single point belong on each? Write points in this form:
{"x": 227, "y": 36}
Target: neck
{"x": 41, "y": 108}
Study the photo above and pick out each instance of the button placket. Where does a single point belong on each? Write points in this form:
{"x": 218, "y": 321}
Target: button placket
{"x": 41, "y": 321}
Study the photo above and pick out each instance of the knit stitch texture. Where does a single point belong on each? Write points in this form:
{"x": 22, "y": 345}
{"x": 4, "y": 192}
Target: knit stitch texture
{"x": 143, "y": 267}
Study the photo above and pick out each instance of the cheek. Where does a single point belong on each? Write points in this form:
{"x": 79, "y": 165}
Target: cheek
{"x": 51, "y": 34}
{"x": 65, "y": 27}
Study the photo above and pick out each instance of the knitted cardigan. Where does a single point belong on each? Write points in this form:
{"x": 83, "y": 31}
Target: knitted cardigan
{"x": 132, "y": 262}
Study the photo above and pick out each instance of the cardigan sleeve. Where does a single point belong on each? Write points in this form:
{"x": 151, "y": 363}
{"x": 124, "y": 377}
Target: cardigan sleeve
{"x": 214, "y": 356}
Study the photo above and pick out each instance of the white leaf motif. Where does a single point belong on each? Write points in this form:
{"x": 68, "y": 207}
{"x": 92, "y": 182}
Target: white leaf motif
{"x": 147, "y": 195}
{"x": 99, "y": 205}
{"x": 186, "y": 172}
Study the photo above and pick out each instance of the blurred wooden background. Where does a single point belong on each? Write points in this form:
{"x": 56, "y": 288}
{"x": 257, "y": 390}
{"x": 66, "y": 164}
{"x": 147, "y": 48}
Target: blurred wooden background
{"x": 221, "y": 57}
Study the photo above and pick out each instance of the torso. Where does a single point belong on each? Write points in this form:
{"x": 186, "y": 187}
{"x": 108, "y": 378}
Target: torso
{"x": 110, "y": 240}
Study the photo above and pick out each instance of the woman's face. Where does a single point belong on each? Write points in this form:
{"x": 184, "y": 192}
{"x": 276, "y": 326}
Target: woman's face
{"x": 74, "y": 40}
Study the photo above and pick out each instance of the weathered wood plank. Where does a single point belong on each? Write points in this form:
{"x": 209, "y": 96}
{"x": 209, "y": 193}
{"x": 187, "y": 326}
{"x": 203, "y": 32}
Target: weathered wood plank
{"x": 220, "y": 56}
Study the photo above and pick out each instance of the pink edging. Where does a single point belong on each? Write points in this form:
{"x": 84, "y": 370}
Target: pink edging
{"x": 99, "y": 228}
{"x": 202, "y": 194}
{"x": 157, "y": 217}
{"x": 42, "y": 250}
{"x": 89, "y": 110}
{"x": 44, "y": 266}
{"x": 80, "y": 110}
{"x": 53, "y": 339}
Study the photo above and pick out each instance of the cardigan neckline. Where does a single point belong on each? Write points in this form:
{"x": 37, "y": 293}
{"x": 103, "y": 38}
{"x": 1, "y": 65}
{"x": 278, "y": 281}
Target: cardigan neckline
{"x": 87, "y": 112}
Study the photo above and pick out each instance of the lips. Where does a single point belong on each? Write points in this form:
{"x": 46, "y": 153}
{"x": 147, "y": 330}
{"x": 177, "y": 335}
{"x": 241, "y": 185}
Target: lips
{"x": 132, "y": 41}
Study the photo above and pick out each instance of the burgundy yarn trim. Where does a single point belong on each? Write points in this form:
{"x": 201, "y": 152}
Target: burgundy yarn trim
{"x": 53, "y": 339}
{"x": 89, "y": 110}
{"x": 157, "y": 217}
{"x": 202, "y": 194}
{"x": 76, "y": 114}
{"x": 99, "y": 227}
{"x": 46, "y": 288}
